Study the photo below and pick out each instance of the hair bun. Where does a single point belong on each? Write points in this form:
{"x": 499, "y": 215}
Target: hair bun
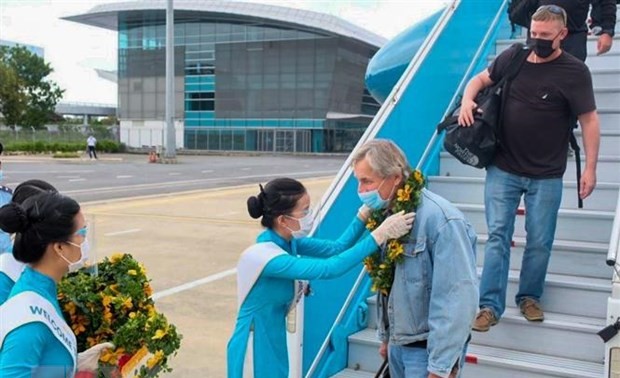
{"x": 13, "y": 218}
{"x": 256, "y": 206}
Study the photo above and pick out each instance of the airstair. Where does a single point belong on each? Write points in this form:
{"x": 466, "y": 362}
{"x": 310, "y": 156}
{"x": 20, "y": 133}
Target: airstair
{"x": 578, "y": 282}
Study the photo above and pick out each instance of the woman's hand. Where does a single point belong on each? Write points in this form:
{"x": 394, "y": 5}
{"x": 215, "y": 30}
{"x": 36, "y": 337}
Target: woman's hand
{"x": 88, "y": 360}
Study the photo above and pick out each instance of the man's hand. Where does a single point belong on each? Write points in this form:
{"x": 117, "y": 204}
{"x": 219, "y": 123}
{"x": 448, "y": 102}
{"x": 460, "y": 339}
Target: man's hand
{"x": 383, "y": 350}
{"x": 603, "y": 44}
{"x": 587, "y": 183}
{"x": 466, "y": 114}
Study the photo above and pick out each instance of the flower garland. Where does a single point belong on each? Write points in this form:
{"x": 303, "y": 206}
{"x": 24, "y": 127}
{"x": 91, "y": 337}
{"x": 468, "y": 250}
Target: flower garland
{"x": 380, "y": 266}
{"x": 116, "y": 306}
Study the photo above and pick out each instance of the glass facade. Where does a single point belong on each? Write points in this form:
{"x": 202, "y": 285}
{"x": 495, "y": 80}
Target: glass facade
{"x": 246, "y": 86}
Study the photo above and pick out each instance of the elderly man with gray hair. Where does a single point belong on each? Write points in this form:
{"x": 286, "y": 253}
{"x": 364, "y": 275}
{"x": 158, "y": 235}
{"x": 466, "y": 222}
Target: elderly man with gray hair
{"x": 425, "y": 315}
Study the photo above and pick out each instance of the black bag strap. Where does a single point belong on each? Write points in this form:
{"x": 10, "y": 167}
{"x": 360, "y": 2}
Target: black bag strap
{"x": 575, "y": 147}
{"x": 512, "y": 71}
{"x": 515, "y": 65}
{"x": 504, "y": 83}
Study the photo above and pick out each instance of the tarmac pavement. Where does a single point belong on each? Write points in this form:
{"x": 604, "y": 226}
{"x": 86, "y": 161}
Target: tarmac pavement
{"x": 189, "y": 243}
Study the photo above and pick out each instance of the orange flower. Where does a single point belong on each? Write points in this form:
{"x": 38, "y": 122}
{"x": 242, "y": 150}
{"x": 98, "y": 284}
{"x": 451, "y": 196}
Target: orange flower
{"x": 148, "y": 290}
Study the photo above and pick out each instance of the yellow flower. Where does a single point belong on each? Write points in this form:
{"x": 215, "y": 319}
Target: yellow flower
{"x": 153, "y": 361}
{"x": 107, "y": 315}
{"x": 116, "y": 257}
{"x": 92, "y": 341}
{"x": 114, "y": 288}
{"x": 142, "y": 269}
{"x": 107, "y": 300}
{"x": 78, "y": 328}
{"x": 132, "y": 272}
{"x": 108, "y": 356}
{"x": 417, "y": 175}
{"x": 128, "y": 304}
{"x": 368, "y": 264}
{"x": 159, "y": 334}
{"x": 132, "y": 315}
{"x": 150, "y": 310}
{"x": 404, "y": 194}
{"x": 70, "y": 308}
{"x": 371, "y": 224}
{"x": 395, "y": 249}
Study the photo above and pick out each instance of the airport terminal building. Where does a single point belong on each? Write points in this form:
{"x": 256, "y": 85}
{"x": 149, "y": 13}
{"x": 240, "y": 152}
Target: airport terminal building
{"x": 248, "y": 77}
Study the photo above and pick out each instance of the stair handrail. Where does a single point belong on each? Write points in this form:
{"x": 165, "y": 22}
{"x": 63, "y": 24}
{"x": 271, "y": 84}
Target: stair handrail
{"x": 372, "y": 130}
{"x": 614, "y": 243}
{"x": 345, "y": 171}
{"x": 466, "y": 77}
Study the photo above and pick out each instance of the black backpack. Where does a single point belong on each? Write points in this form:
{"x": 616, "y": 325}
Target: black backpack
{"x": 520, "y": 12}
{"x": 475, "y": 145}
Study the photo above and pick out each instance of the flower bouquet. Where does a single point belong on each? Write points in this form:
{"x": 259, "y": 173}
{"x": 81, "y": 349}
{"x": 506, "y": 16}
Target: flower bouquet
{"x": 115, "y": 305}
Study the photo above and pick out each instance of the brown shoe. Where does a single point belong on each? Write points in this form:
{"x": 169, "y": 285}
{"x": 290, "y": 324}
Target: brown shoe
{"x": 485, "y": 319}
{"x": 531, "y": 310}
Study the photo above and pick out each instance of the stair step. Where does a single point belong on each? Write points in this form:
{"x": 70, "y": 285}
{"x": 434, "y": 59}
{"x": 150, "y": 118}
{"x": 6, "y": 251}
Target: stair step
{"x": 608, "y": 169}
{"x": 588, "y": 296}
{"x": 364, "y": 351}
{"x": 567, "y": 257}
{"x": 606, "y": 77}
{"x": 471, "y": 190}
{"x": 350, "y": 373}
{"x": 609, "y": 118}
{"x": 610, "y": 140}
{"x": 504, "y": 363}
{"x": 565, "y": 336}
{"x": 607, "y": 97}
{"x": 580, "y": 225}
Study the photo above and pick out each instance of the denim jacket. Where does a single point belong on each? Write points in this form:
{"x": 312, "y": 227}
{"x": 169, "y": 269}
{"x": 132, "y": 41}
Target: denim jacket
{"x": 434, "y": 296}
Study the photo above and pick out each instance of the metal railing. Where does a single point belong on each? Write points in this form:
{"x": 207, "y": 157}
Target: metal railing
{"x": 614, "y": 244}
{"x": 345, "y": 171}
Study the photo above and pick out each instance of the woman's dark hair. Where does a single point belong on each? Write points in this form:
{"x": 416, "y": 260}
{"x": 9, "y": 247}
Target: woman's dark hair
{"x": 31, "y": 188}
{"x": 279, "y": 197}
{"x": 42, "y": 219}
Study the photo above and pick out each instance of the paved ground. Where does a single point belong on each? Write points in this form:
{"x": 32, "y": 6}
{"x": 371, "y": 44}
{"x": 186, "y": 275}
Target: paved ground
{"x": 118, "y": 176}
{"x": 189, "y": 244}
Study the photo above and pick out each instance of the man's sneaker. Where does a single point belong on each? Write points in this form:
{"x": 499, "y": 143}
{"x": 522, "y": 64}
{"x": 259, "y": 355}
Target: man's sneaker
{"x": 531, "y": 310}
{"x": 485, "y": 319}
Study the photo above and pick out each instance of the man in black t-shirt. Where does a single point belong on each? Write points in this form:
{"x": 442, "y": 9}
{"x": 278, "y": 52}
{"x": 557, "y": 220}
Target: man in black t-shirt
{"x": 550, "y": 89}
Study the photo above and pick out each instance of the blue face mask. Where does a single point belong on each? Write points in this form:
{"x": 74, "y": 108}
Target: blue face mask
{"x": 373, "y": 199}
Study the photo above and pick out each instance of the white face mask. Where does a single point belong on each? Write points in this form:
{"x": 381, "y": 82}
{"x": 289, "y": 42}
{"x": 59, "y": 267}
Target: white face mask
{"x": 84, "y": 256}
{"x": 305, "y": 225}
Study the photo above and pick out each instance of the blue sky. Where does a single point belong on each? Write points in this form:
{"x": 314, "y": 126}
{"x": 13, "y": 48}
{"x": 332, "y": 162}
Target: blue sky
{"x": 74, "y": 49}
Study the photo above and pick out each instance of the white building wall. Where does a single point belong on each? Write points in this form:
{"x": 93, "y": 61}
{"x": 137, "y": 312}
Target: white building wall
{"x": 149, "y": 133}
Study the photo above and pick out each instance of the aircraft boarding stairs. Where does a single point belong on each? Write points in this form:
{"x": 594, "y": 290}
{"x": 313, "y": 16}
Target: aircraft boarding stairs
{"x": 578, "y": 283}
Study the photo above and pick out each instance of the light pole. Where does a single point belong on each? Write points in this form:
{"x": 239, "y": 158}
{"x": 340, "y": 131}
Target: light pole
{"x": 170, "y": 152}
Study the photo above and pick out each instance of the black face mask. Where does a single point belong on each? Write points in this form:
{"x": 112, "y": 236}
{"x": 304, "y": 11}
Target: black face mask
{"x": 542, "y": 47}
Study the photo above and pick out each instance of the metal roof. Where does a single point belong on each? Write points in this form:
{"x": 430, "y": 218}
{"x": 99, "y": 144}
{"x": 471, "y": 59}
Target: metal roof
{"x": 106, "y": 16}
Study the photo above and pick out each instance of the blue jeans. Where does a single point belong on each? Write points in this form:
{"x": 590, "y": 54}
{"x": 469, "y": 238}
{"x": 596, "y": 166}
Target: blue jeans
{"x": 409, "y": 362}
{"x": 502, "y": 194}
